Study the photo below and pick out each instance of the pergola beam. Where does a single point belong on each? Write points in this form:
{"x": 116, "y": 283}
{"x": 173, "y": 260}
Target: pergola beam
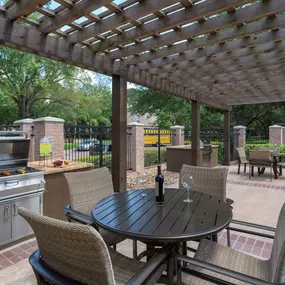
{"x": 132, "y": 14}
{"x": 78, "y": 10}
{"x": 188, "y": 49}
{"x": 250, "y": 13}
{"x": 190, "y": 14}
{"x": 23, "y": 8}
{"x": 223, "y": 56}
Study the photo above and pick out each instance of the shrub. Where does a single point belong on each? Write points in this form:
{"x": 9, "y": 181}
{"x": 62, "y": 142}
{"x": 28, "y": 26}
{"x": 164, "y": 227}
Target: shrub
{"x": 151, "y": 157}
{"x": 249, "y": 147}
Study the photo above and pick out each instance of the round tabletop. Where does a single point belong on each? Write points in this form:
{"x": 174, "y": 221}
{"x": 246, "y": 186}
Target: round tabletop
{"x": 136, "y": 215}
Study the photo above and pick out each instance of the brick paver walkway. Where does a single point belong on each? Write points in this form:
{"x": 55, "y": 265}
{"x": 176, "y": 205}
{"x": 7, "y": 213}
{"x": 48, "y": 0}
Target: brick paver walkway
{"x": 251, "y": 246}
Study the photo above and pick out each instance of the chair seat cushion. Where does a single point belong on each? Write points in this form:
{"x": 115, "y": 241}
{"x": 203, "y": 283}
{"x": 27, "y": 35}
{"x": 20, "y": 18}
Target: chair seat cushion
{"x": 229, "y": 258}
{"x": 125, "y": 268}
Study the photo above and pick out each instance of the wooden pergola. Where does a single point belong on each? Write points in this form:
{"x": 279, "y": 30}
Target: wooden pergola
{"x": 215, "y": 52}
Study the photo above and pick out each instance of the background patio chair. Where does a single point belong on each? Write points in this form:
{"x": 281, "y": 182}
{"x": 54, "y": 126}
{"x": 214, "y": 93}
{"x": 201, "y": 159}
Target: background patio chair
{"x": 211, "y": 181}
{"x": 207, "y": 180}
{"x": 86, "y": 188}
{"x": 260, "y": 159}
{"x": 213, "y": 261}
{"x": 76, "y": 254}
{"x": 242, "y": 158}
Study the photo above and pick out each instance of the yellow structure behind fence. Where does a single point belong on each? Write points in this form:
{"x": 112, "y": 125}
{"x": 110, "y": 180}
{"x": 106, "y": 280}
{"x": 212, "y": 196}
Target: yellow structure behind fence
{"x": 151, "y": 136}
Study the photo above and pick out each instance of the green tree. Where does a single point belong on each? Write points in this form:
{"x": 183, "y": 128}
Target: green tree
{"x": 170, "y": 110}
{"x": 28, "y": 79}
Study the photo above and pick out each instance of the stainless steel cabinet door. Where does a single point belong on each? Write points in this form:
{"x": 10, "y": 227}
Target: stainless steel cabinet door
{"x": 20, "y": 227}
{"x": 5, "y": 222}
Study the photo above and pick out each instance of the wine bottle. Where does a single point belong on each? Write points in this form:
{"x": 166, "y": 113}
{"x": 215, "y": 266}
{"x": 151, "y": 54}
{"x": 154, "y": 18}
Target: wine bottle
{"x": 159, "y": 187}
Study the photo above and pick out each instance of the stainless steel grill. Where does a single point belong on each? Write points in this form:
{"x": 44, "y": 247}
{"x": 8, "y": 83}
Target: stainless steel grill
{"x": 17, "y": 189}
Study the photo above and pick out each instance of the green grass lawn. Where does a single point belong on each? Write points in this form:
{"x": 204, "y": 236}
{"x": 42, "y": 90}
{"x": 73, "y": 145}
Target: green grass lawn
{"x": 70, "y": 145}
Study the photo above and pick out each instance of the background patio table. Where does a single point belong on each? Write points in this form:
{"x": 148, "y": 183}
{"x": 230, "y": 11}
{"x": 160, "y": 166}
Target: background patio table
{"x": 136, "y": 215}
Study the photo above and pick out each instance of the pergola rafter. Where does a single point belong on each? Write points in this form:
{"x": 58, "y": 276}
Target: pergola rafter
{"x": 219, "y": 45}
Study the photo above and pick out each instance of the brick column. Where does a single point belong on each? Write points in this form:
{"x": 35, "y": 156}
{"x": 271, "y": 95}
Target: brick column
{"x": 52, "y": 128}
{"x": 276, "y": 134}
{"x": 177, "y": 135}
{"x": 239, "y": 138}
{"x": 27, "y": 126}
{"x": 136, "y": 153}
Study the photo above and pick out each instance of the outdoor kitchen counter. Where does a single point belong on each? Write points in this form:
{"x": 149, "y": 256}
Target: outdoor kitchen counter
{"x": 182, "y": 154}
{"x": 56, "y": 196}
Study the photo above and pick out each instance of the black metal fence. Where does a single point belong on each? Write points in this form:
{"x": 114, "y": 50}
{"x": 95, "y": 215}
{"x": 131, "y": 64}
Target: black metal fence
{"x": 9, "y": 128}
{"x": 214, "y": 137}
{"x": 88, "y": 144}
{"x": 257, "y": 137}
{"x": 155, "y": 140}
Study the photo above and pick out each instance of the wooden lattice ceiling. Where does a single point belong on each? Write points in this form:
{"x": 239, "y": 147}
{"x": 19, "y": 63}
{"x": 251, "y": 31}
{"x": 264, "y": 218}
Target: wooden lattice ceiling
{"x": 220, "y": 52}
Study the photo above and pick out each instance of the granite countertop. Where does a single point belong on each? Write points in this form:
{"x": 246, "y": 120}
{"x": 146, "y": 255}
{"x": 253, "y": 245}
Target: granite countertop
{"x": 50, "y": 169}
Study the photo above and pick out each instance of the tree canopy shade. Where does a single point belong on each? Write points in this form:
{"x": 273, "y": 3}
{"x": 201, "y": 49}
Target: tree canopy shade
{"x": 32, "y": 86}
{"x": 29, "y": 79}
{"x": 220, "y": 53}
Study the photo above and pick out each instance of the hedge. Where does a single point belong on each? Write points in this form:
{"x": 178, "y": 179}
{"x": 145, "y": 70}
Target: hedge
{"x": 250, "y": 146}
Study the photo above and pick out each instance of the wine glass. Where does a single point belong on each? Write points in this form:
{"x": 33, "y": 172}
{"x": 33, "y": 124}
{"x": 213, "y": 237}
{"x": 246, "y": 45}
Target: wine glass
{"x": 142, "y": 179}
{"x": 187, "y": 183}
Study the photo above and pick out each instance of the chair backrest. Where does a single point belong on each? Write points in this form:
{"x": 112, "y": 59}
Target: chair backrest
{"x": 210, "y": 181}
{"x": 73, "y": 250}
{"x": 86, "y": 188}
{"x": 241, "y": 154}
{"x": 277, "y": 259}
{"x": 259, "y": 155}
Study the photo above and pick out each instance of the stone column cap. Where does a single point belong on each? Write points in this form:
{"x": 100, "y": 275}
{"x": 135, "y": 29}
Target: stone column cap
{"x": 135, "y": 124}
{"x": 49, "y": 119}
{"x": 276, "y": 127}
{"x": 239, "y": 127}
{"x": 177, "y": 127}
{"x": 24, "y": 121}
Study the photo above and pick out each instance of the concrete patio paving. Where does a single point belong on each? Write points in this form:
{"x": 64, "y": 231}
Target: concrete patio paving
{"x": 257, "y": 200}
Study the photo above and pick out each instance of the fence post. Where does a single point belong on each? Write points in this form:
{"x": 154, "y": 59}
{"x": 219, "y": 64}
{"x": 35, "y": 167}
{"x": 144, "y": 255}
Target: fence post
{"x": 239, "y": 139}
{"x": 27, "y": 125}
{"x": 52, "y": 128}
{"x": 136, "y": 154}
{"x": 276, "y": 134}
{"x": 177, "y": 135}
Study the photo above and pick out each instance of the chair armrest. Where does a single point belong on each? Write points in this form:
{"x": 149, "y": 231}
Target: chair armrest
{"x": 73, "y": 214}
{"x": 40, "y": 267}
{"x": 224, "y": 271}
{"x": 145, "y": 275}
{"x": 252, "y": 225}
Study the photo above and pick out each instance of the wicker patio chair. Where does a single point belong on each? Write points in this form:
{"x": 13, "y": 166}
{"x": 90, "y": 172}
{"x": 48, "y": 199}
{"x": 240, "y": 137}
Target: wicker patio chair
{"x": 217, "y": 264}
{"x": 207, "y": 180}
{"x": 242, "y": 158}
{"x": 211, "y": 181}
{"x": 86, "y": 188}
{"x": 73, "y": 254}
{"x": 260, "y": 159}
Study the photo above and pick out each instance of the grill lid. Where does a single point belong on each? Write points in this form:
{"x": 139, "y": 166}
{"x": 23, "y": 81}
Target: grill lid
{"x": 14, "y": 149}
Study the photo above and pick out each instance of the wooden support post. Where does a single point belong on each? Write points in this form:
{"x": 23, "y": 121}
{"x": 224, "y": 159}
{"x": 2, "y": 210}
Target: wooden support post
{"x": 119, "y": 133}
{"x": 227, "y": 139}
{"x": 195, "y": 133}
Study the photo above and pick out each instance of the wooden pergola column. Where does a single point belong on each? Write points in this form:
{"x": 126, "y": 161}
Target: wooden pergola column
{"x": 195, "y": 132}
{"x": 227, "y": 139}
{"x": 119, "y": 133}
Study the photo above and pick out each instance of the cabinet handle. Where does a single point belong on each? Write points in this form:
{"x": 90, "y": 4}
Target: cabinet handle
{"x": 15, "y": 210}
{"x": 6, "y": 212}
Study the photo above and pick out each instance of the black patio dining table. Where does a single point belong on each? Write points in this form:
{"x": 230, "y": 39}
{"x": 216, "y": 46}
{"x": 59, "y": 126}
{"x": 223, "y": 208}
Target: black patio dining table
{"x": 136, "y": 215}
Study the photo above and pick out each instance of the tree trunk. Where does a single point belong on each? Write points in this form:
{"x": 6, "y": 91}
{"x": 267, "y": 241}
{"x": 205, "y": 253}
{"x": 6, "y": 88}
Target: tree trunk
{"x": 23, "y": 109}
